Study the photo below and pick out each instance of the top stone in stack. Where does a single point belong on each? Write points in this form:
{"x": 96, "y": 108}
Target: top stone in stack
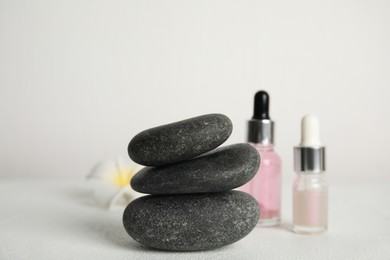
{"x": 180, "y": 141}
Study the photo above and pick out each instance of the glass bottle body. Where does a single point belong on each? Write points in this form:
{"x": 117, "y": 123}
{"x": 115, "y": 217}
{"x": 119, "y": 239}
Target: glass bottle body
{"x": 310, "y": 203}
{"x": 265, "y": 185}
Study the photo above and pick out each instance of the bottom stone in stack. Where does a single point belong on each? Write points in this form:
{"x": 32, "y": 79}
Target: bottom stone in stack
{"x": 191, "y": 222}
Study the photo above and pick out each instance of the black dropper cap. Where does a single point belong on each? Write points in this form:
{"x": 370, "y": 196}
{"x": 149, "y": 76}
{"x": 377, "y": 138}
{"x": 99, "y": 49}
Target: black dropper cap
{"x": 261, "y": 107}
{"x": 260, "y": 127}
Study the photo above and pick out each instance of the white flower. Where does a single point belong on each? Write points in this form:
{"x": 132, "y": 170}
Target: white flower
{"x": 110, "y": 181}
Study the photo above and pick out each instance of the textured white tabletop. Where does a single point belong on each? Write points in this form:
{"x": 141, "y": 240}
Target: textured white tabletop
{"x": 53, "y": 220}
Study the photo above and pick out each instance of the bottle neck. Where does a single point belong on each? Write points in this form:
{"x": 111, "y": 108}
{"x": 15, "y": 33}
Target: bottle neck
{"x": 261, "y": 131}
{"x": 311, "y": 174}
{"x": 309, "y": 159}
{"x": 263, "y": 147}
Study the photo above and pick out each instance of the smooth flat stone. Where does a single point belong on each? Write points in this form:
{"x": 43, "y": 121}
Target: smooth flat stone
{"x": 191, "y": 222}
{"x": 180, "y": 141}
{"x": 223, "y": 169}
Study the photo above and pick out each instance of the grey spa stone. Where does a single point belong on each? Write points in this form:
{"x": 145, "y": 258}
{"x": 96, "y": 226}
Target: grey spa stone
{"x": 191, "y": 222}
{"x": 180, "y": 141}
{"x": 223, "y": 169}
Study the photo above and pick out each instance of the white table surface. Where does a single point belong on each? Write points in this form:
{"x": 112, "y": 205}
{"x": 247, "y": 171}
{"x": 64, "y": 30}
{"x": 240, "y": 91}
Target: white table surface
{"x": 54, "y": 220}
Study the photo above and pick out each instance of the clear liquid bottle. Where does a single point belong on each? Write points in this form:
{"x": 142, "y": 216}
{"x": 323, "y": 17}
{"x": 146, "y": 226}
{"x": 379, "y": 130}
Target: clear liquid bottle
{"x": 310, "y": 189}
{"x": 265, "y": 185}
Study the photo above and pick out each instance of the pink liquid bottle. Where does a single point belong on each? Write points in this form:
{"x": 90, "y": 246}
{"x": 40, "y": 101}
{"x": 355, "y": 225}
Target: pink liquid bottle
{"x": 265, "y": 185}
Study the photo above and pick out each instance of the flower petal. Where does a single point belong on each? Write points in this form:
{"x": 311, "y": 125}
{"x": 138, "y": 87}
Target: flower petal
{"x": 110, "y": 181}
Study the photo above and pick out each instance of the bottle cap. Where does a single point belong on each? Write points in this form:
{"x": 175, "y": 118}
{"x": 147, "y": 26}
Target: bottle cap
{"x": 261, "y": 127}
{"x": 309, "y": 156}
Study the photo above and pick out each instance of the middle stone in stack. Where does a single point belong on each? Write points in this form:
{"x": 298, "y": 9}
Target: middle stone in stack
{"x": 192, "y": 206}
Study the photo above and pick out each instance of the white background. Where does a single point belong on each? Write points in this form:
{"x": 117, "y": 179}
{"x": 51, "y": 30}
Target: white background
{"x": 79, "y": 78}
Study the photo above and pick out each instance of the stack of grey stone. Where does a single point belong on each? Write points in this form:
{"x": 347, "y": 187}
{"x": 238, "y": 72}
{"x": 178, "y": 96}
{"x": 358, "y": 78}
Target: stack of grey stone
{"x": 192, "y": 205}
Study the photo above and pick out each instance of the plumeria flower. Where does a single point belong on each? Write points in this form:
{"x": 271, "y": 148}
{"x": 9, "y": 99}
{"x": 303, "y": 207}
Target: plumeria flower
{"x": 110, "y": 181}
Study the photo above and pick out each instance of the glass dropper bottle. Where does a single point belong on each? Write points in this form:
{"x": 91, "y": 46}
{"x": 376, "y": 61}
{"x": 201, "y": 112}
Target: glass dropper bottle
{"x": 310, "y": 190}
{"x": 265, "y": 186}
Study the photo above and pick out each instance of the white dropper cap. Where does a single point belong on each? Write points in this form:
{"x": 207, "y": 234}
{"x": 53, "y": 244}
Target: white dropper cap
{"x": 310, "y": 131}
{"x": 309, "y": 156}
